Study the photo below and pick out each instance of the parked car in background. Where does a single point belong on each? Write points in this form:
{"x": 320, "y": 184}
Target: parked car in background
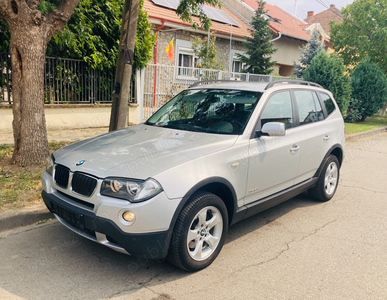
{"x": 214, "y": 155}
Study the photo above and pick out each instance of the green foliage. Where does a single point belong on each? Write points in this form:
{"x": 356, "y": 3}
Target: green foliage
{"x": 259, "y": 48}
{"x": 308, "y": 51}
{"x": 93, "y": 33}
{"x": 208, "y": 60}
{"x": 362, "y": 33}
{"x": 354, "y": 112}
{"x": 4, "y": 36}
{"x": 189, "y": 8}
{"x": 143, "y": 48}
{"x": 369, "y": 85}
{"x": 328, "y": 71}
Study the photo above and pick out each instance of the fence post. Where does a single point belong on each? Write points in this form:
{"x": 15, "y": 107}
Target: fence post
{"x": 219, "y": 75}
{"x": 199, "y": 74}
{"x": 140, "y": 78}
{"x": 270, "y": 78}
{"x": 248, "y": 77}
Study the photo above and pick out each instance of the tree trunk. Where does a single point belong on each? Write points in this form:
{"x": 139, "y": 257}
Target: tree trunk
{"x": 123, "y": 76}
{"x": 29, "y": 123}
{"x": 382, "y": 111}
{"x": 30, "y": 32}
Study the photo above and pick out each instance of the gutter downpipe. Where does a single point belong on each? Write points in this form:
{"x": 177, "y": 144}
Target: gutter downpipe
{"x": 155, "y": 62}
{"x": 277, "y": 38}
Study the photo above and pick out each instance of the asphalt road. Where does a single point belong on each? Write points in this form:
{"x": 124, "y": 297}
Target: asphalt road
{"x": 298, "y": 250}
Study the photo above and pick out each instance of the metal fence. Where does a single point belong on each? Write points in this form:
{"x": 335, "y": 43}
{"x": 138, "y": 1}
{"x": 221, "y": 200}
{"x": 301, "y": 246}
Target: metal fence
{"x": 159, "y": 83}
{"x": 66, "y": 81}
{"x": 5, "y": 78}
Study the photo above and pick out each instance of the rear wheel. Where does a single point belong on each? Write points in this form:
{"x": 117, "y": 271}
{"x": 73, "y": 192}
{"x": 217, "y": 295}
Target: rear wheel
{"x": 199, "y": 233}
{"x": 328, "y": 181}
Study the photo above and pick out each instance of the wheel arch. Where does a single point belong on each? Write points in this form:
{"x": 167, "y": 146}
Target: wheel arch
{"x": 216, "y": 185}
{"x": 336, "y": 150}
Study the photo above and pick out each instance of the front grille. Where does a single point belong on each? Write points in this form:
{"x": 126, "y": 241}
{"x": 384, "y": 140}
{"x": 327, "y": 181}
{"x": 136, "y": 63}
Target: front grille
{"x": 62, "y": 175}
{"x": 83, "y": 184}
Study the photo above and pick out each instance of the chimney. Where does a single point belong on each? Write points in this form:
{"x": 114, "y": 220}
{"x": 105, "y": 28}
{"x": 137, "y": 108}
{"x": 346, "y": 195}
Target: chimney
{"x": 332, "y": 6}
{"x": 310, "y": 13}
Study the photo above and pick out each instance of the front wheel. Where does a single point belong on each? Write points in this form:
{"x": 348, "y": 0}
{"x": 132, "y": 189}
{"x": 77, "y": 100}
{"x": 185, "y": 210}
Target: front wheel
{"x": 328, "y": 181}
{"x": 199, "y": 233}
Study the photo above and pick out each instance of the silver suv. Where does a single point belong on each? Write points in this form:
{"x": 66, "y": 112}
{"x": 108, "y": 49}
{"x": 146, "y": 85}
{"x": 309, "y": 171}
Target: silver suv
{"x": 212, "y": 156}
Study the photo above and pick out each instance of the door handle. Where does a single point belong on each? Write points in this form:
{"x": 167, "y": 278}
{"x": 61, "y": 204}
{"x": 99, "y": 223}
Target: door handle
{"x": 295, "y": 148}
{"x": 326, "y": 137}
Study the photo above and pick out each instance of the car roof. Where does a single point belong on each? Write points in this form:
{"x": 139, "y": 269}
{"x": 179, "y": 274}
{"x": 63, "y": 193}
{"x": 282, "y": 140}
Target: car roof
{"x": 254, "y": 86}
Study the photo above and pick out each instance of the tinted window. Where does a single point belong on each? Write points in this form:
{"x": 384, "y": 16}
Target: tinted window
{"x": 207, "y": 110}
{"x": 329, "y": 106}
{"x": 306, "y": 109}
{"x": 278, "y": 109}
{"x": 320, "y": 114}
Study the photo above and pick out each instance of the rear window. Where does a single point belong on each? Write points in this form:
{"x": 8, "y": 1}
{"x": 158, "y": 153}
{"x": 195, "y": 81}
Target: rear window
{"x": 329, "y": 106}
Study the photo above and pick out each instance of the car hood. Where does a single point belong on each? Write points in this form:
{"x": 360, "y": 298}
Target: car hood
{"x": 139, "y": 151}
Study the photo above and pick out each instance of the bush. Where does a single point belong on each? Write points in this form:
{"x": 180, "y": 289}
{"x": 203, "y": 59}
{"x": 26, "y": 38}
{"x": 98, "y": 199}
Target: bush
{"x": 328, "y": 71}
{"x": 369, "y": 85}
{"x": 354, "y": 112}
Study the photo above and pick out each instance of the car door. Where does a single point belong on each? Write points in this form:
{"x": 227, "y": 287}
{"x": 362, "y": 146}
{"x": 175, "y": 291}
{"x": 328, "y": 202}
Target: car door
{"x": 273, "y": 161}
{"x": 314, "y": 133}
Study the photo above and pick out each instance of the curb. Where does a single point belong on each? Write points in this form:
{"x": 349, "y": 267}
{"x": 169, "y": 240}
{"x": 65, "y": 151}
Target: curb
{"x": 361, "y": 135}
{"x": 25, "y": 216}
{"x": 10, "y": 220}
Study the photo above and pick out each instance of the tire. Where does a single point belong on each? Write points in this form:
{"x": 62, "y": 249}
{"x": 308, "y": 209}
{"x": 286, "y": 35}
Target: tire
{"x": 328, "y": 180}
{"x": 199, "y": 233}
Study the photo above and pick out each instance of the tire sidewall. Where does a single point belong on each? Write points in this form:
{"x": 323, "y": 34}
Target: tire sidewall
{"x": 209, "y": 200}
{"x": 330, "y": 159}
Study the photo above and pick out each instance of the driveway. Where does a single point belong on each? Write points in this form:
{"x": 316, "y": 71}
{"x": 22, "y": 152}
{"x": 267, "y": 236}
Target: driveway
{"x": 298, "y": 250}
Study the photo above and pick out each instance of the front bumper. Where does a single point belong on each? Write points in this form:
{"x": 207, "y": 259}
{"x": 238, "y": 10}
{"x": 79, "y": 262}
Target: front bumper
{"x": 104, "y": 231}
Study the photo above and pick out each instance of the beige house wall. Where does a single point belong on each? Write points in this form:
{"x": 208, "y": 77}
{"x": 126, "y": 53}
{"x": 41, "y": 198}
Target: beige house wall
{"x": 288, "y": 50}
{"x": 70, "y": 116}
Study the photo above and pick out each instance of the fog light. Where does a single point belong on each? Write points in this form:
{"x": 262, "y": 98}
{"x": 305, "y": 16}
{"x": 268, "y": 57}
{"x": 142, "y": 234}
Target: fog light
{"x": 129, "y": 216}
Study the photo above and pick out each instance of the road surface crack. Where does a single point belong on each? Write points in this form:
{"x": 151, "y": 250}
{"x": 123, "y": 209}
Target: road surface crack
{"x": 287, "y": 248}
{"x": 362, "y": 188}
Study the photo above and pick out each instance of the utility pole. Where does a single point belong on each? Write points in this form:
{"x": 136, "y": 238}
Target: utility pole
{"x": 295, "y": 7}
{"x": 121, "y": 94}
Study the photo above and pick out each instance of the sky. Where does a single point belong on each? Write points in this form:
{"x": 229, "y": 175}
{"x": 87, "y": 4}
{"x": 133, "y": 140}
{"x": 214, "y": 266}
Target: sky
{"x": 303, "y": 6}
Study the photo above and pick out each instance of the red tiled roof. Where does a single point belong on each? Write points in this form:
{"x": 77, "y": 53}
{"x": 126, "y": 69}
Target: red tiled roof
{"x": 159, "y": 12}
{"x": 325, "y": 17}
{"x": 287, "y": 24}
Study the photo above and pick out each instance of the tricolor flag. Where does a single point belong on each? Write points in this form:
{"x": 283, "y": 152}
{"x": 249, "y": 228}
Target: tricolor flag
{"x": 169, "y": 50}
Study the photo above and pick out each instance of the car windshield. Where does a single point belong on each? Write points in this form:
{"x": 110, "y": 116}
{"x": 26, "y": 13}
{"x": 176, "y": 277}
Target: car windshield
{"x": 208, "y": 110}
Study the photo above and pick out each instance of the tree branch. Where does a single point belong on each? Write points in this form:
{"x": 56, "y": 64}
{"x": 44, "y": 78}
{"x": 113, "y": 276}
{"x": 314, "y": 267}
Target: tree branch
{"x": 57, "y": 18}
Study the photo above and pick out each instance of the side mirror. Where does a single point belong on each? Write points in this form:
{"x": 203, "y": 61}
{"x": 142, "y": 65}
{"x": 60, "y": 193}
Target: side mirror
{"x": 273, "y": 129}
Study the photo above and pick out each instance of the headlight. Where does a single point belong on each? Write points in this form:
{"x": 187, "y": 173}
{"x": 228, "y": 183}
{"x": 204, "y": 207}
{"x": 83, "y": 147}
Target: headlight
{"x": 129, "y": 189}
{"x": 50, "y": 164}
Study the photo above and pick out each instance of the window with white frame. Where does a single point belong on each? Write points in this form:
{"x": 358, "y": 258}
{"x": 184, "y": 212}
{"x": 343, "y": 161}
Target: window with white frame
{"x": 186, "y": 58}
{"x": 237, "y": 65}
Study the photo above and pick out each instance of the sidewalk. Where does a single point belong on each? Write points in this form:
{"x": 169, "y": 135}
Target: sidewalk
{"x": 61, "y": 135}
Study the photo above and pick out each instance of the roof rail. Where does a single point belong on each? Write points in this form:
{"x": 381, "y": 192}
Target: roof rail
{"x": 214, "y": 81}
{"x": 285, "y": 81}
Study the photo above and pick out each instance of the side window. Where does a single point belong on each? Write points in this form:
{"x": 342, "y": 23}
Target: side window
{"x": 329, "y": 106}
{"x": 320, "y": 114}
{"x": 306, "y": 108}
{"x": 278, "y": 109}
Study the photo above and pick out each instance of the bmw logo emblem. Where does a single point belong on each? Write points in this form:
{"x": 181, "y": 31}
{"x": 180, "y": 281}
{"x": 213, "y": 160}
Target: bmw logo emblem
{"x": 203, "y": 232}
{"x": 80, "y": 163}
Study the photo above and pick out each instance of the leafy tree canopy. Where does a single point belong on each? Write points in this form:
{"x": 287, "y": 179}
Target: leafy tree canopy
{"x": 362, "y": 33}
{"x": 208, "y": 58}
{"x": 328, "y": 71}
{"x": 308, "y": 51}
{"x": 259, "y": 48}
{"x": 369, "y": 86}
{"x": 92, "y": 34}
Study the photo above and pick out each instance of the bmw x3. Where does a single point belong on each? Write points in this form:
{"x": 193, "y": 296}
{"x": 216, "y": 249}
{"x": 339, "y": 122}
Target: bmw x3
{"x": 213, "y": 155}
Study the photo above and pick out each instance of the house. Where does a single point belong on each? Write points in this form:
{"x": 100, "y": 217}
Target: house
{"x": 292, "y": 33}
{"x": 324, "y": 17}
{"x": 229, "y": 29}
